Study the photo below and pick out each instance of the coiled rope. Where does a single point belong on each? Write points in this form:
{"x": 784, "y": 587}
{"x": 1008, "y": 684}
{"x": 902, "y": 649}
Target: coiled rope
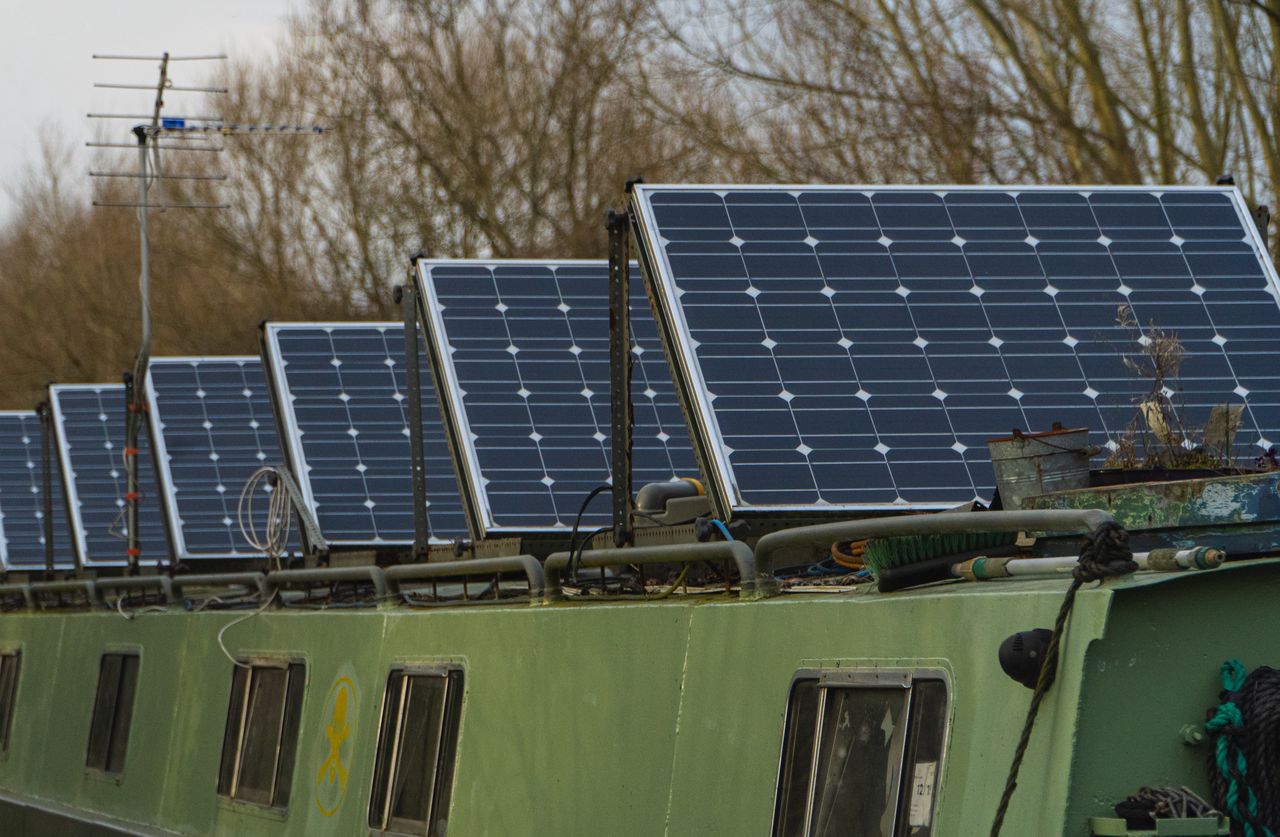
{"x": 1244, "y": 772}
{"x": 277, "y": 520}
{"x": 1105, "y": 554}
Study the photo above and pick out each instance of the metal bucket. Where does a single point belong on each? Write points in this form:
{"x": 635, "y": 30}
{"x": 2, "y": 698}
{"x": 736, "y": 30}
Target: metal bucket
{"x": 1027, "y": 464}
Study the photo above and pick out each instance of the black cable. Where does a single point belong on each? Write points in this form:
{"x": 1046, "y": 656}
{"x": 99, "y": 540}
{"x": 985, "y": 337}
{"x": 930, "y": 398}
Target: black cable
{"x": 577, "y": 524}
{"x": 575, "y": 556}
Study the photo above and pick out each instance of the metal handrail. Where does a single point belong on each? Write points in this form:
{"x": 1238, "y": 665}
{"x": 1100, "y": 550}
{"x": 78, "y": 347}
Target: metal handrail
{"x": 277, "y": 579}
{"x": 753, "y": 580}
{"x": 20, "y": 589}
{"x": 254, "y": 580}
{"x": 84, "y": 585}
{"x": 138, "y": 582}
{"x": 476, "y": 566}
{"x": 824, "y": 534}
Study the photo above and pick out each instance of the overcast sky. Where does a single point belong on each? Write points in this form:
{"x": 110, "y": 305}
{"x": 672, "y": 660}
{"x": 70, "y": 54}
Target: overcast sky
{"x": 47, "y": 75}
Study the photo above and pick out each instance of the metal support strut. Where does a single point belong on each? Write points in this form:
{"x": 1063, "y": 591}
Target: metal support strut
{"x": 407, "y": 296}
{"x": 46, "y": 469}
{"x": 620, "y": 374}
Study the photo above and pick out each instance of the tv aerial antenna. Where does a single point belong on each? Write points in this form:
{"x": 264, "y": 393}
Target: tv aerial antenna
{"x": 158, "y": 134}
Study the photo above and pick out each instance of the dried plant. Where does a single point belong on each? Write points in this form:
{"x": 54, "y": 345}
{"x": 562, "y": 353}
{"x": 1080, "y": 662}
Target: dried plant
{"x": 1160, "y": 435}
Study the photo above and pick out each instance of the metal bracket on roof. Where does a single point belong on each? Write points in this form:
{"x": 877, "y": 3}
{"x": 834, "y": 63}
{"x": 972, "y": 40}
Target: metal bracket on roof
{"x": 407, "y": 296}
{"x": 46, "y": 469}
{"x": 1262, "y": 218}
{"x": 306, "y": 519}
{"x": 617, "y": 224}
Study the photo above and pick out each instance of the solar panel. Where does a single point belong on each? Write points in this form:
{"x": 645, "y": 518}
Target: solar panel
{"x": 22, "y": 541}
{"x": 523, "y": 350}
{"x": 340, "y": 391}
{"x": 89, "y": 422}
{"x": 212, "y": 427}
{"x": 854, "y": 347}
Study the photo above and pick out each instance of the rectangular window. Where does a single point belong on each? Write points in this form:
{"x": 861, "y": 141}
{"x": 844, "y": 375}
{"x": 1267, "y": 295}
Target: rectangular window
{"x": 417, "y": 747}
{"x": 861, "y": 754}
{"x": 10, "y": 662}
{"x": 112, "y": 712}
{"x": 262, "y": 732}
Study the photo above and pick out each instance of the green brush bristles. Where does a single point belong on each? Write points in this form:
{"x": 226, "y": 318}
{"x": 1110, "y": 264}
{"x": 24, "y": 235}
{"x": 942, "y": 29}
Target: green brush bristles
{"x": 883, "y": 553}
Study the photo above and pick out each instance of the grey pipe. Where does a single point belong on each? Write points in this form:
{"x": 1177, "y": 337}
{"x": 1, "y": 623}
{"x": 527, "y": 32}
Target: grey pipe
{"x": 754, "y": 582}
{"x": 824, "y": 534}
{"x": 477, "y": 566}
{"x": 327, "y": 575}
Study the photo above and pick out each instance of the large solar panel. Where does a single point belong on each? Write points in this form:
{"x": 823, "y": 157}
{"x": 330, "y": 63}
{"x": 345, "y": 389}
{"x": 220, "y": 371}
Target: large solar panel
{"x": 22, "y": 541}
{"x": 89, "y": 422}
{"x": 854, "y": 347}
{"x": 341, "y": 392}
{"x": 523, "y": 351}
{"x": 212, "y": 426}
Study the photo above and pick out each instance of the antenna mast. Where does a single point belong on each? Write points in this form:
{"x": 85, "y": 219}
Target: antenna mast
{"x": 187, "y": 133}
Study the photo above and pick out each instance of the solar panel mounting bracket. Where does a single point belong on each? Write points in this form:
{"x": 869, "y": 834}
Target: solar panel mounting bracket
{"x": 46, "y": 473}
{"x": 406, "y": 296}
{"x": 618, "y": 224}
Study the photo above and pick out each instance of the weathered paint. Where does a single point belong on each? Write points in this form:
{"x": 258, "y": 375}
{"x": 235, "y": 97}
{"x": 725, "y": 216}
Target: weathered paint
{"x": 1240, "y": 515}
{"x": 659, "y": 718}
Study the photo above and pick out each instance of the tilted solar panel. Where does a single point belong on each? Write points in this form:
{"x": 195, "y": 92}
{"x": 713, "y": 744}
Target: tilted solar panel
{"x": 340, "y": 391}
{"x": 854, "y": 347}
{"x": 88, "y": 420}
{"x": 212, "y": 426}
{"x": 22, "y": 541}
{"x": 523, "y": 349}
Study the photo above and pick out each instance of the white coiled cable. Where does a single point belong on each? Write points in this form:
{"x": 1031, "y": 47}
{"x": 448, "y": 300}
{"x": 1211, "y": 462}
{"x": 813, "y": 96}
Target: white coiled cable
{"x": 279, "y": 521}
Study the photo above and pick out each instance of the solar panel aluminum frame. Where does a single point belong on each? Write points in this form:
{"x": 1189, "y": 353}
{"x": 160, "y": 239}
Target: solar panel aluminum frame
{"x": 291, "y": 442}
{"x": 59, "y": 562}
{"x": 691, "y": 389}
{"x": 164, "y": 474}
{"x": 480, "y": 515}
{"x": 71, "y": 496}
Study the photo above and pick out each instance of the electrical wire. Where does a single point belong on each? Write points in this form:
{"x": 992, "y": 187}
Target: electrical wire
{"x": 237, "y": 621}
{"x": 577, "y": 525}
{"x": 278, "y": 521}
{"x": 724, "y": 530}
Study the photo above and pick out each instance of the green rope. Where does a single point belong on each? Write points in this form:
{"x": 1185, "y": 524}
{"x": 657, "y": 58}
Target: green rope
{"x": 1227, "y": 722}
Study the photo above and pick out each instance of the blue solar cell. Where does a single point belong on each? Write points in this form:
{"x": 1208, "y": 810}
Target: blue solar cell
{"x": 341, "y": 394}
{"x": 22, "y": 541}
{"x": 89, "y": 421}
{"x": 212, "y": 425}
{"x": 523, "y": 350}
{"x": 854, "y": 347}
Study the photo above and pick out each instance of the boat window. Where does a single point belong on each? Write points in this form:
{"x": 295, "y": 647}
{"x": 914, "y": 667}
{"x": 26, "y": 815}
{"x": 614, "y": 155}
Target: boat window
{"x": 861, "y": 756}
{"x": 262, "y": 732}
{"x": 112, "y": 712}
{"x": 10, "y": 662}
{"x": 417, "y": 746}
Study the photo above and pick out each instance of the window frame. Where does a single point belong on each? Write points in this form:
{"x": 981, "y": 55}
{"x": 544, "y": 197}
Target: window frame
{"x": 115, "y": 750}
{"x": 241, "y": 708}
{"x": 381, "y": 819}
{"x": 827, "y": 679}
{"x": 9, "y": 701}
